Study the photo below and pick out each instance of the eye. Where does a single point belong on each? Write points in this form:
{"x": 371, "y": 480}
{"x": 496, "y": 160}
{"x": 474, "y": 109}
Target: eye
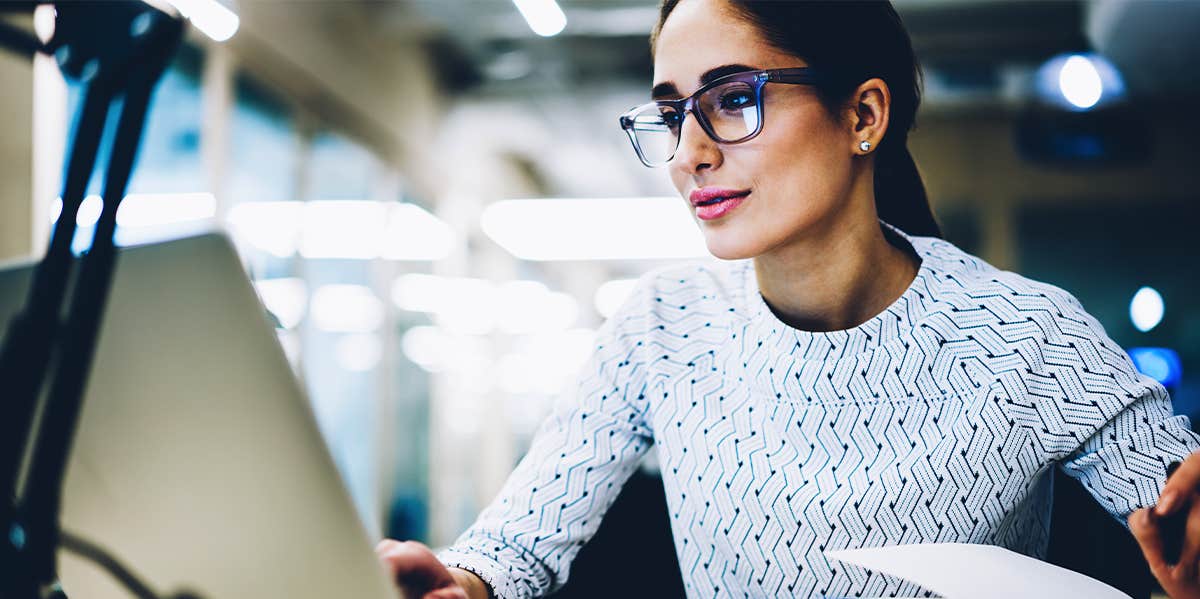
{"x": 671, "y": 118}
{"x": 735, "y": 100}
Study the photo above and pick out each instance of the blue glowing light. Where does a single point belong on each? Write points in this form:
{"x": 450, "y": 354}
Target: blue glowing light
{"x": 1159, "y": 363}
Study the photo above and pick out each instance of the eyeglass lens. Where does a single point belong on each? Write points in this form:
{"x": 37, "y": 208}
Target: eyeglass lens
{"x": 731, "y": 110}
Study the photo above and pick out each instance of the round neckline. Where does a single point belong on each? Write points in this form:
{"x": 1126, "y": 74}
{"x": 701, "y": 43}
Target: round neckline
{"x": 888, "y": 325}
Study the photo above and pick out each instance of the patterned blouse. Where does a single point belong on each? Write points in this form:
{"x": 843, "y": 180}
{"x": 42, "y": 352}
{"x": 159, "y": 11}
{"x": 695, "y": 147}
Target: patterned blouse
{"x": 937, "y": 420}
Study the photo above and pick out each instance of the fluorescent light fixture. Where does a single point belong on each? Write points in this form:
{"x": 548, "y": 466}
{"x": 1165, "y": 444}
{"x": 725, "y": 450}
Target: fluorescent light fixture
{"x": 469, "y": 306}
{"x": 346, "y": 309}
{"x": 343, "y": 229}
{"x": 545, "y": 17}
{"x": 426, "y": 346}
{"x": 153, "y": 210}
{"x": 85, "y": 221}
{"x": 89, "y": 211}
{"x": 286, "y": 298}
{"x": 435, "y": 349}
{"x": 144, "y": 209}
{"x": 612, "y": 294}
{"x": 273, "y": 227}
{"x": 466, "y": 315}
{"x": 430, "y": 293}
{"x": 594, "y": 229}
{"x": 1146, "y": 309}
{"x": 421, "y": 292}
{"x": 211, "y": 17}
{"x": 524, "y": 307}
{"x": 461, "y": 305}
{"x": 414, "y": 234}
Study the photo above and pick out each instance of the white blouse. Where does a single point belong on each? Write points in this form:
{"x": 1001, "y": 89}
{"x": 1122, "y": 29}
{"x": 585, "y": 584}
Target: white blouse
{"x": 938, "y": 420}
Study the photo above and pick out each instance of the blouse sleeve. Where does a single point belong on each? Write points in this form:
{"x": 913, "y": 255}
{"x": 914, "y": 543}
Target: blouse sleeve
{"x": 1133, "y": 433}
{"x": 1124, "y": 464}
{"x": 522, "y": 544}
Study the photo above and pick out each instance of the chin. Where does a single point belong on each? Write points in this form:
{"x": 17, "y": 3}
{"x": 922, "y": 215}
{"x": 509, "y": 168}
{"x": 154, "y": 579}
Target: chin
{"x": 726, "y": 248}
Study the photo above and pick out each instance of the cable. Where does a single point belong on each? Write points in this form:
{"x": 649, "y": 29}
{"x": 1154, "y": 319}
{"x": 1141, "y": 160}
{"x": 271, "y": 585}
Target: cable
{"x": 106, "y": 561}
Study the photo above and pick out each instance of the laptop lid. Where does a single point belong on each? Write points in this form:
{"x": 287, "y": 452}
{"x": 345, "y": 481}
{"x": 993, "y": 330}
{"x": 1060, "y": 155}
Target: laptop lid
{"x": 198, "y": 462}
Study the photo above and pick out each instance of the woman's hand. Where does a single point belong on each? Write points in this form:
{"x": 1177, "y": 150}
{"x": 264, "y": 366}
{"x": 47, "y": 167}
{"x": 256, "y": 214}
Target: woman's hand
{"x": 1180, "y": 580}
{"x": 418, "y": 572}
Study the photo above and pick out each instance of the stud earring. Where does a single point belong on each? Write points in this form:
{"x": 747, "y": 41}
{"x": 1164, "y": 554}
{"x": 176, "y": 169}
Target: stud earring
{"x": 865, "y": 145}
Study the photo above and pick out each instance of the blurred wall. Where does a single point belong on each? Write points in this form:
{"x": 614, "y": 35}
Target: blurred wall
{"x": 16, "y": 157}
{"x": 330, "y": 59}
{"x": 971, "y": 166}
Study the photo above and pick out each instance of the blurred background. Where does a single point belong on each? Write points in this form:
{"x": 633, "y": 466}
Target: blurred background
{"x": 422, "y": 191}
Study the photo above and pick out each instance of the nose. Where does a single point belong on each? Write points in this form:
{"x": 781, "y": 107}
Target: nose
{"x": 697, "y": 151}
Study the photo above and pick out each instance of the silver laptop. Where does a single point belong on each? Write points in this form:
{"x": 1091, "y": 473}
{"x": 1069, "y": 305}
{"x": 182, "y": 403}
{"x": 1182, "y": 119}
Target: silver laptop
{"x": 197, "y": 461}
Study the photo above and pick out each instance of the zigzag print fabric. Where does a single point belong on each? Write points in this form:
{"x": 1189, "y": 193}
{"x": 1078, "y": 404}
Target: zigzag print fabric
{"x": 938, "y": 420}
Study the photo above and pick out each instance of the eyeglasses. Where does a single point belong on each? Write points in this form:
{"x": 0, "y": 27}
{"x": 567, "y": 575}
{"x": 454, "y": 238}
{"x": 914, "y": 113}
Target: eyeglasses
{"x": 729, "y": 109}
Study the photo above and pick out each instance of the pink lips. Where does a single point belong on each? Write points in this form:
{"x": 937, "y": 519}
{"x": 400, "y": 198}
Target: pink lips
{"x": 715, "y": 202}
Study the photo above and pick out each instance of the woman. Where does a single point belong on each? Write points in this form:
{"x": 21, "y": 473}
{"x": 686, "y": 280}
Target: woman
{"x": 845, "y": 378}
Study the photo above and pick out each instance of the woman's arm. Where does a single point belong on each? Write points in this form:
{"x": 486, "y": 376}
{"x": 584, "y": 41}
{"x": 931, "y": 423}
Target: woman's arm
{"x": 523, "y": 542}
{"x": 1124, "y": 422}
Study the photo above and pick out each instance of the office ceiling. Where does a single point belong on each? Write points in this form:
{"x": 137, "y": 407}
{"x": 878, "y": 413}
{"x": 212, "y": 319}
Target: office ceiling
{"x": 968, "y": 47}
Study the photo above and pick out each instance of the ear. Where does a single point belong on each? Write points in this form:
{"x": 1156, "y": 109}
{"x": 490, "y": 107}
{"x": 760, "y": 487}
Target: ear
{"x": 870, "y": 106}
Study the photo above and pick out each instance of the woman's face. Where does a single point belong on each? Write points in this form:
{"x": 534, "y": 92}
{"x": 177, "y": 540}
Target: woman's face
{"x": 798, "y": 169}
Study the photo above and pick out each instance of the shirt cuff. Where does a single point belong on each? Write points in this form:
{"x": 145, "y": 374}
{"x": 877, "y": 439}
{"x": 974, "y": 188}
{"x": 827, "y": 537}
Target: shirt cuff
{"x": 489, "y": 570}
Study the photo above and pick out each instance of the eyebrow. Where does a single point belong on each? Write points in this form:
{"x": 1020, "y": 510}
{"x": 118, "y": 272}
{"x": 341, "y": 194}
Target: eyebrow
{"x": 668, "y": 89}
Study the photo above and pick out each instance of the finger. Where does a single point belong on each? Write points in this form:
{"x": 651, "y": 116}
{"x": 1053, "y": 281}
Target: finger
{"x": 396, "y": 553}
{"x": 1179, "y": 485}
{"x": 1145, "y": 532}
{"x": 454, "y": 592}
{"x": 413, "y": 564}
{"x": 402, "y": 559}
{"x": 402, "y": 555}
{"x": 1186, "y": 568}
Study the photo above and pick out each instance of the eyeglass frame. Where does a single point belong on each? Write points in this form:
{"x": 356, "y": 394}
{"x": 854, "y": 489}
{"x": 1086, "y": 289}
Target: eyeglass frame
{"x": 755, "y": 78}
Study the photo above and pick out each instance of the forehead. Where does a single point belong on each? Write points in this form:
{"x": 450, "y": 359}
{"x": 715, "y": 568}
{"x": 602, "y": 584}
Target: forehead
{"x": 702, "y": 34}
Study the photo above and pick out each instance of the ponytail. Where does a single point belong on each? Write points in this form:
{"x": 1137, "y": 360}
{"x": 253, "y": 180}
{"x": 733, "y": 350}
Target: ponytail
{"x": 900, "y": 198}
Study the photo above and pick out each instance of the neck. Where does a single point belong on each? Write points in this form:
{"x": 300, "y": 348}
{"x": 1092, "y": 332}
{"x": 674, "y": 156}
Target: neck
{"x": 838, "y": 276}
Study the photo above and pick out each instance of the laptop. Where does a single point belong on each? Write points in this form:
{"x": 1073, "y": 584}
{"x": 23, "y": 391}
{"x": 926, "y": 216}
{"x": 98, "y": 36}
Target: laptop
{"x": 197, "y": 462}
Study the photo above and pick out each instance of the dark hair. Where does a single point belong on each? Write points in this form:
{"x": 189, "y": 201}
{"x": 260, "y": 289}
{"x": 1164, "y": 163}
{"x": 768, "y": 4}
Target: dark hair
{"x": 849, "y": 42}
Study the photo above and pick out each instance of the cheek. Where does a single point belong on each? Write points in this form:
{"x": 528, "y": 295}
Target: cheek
{"x": 679, "y": 179}
{"x": 801, "y": 159}
{"x": 794, "y": 174}
{"x": 798, "y": 140}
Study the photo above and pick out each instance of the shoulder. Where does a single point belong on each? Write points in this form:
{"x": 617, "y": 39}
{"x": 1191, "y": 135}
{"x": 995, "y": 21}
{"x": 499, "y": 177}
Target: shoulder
{"x": 964, "y": 279}
{"x": 701, "y": 286}
{"x": 673, "y": 303}
{"x": 1042, "y": 323}
{"x": 667, "y": 309}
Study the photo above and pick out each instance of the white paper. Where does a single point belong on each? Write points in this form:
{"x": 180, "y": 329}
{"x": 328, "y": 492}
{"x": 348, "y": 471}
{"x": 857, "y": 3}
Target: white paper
{"x": 967, "y": 571}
